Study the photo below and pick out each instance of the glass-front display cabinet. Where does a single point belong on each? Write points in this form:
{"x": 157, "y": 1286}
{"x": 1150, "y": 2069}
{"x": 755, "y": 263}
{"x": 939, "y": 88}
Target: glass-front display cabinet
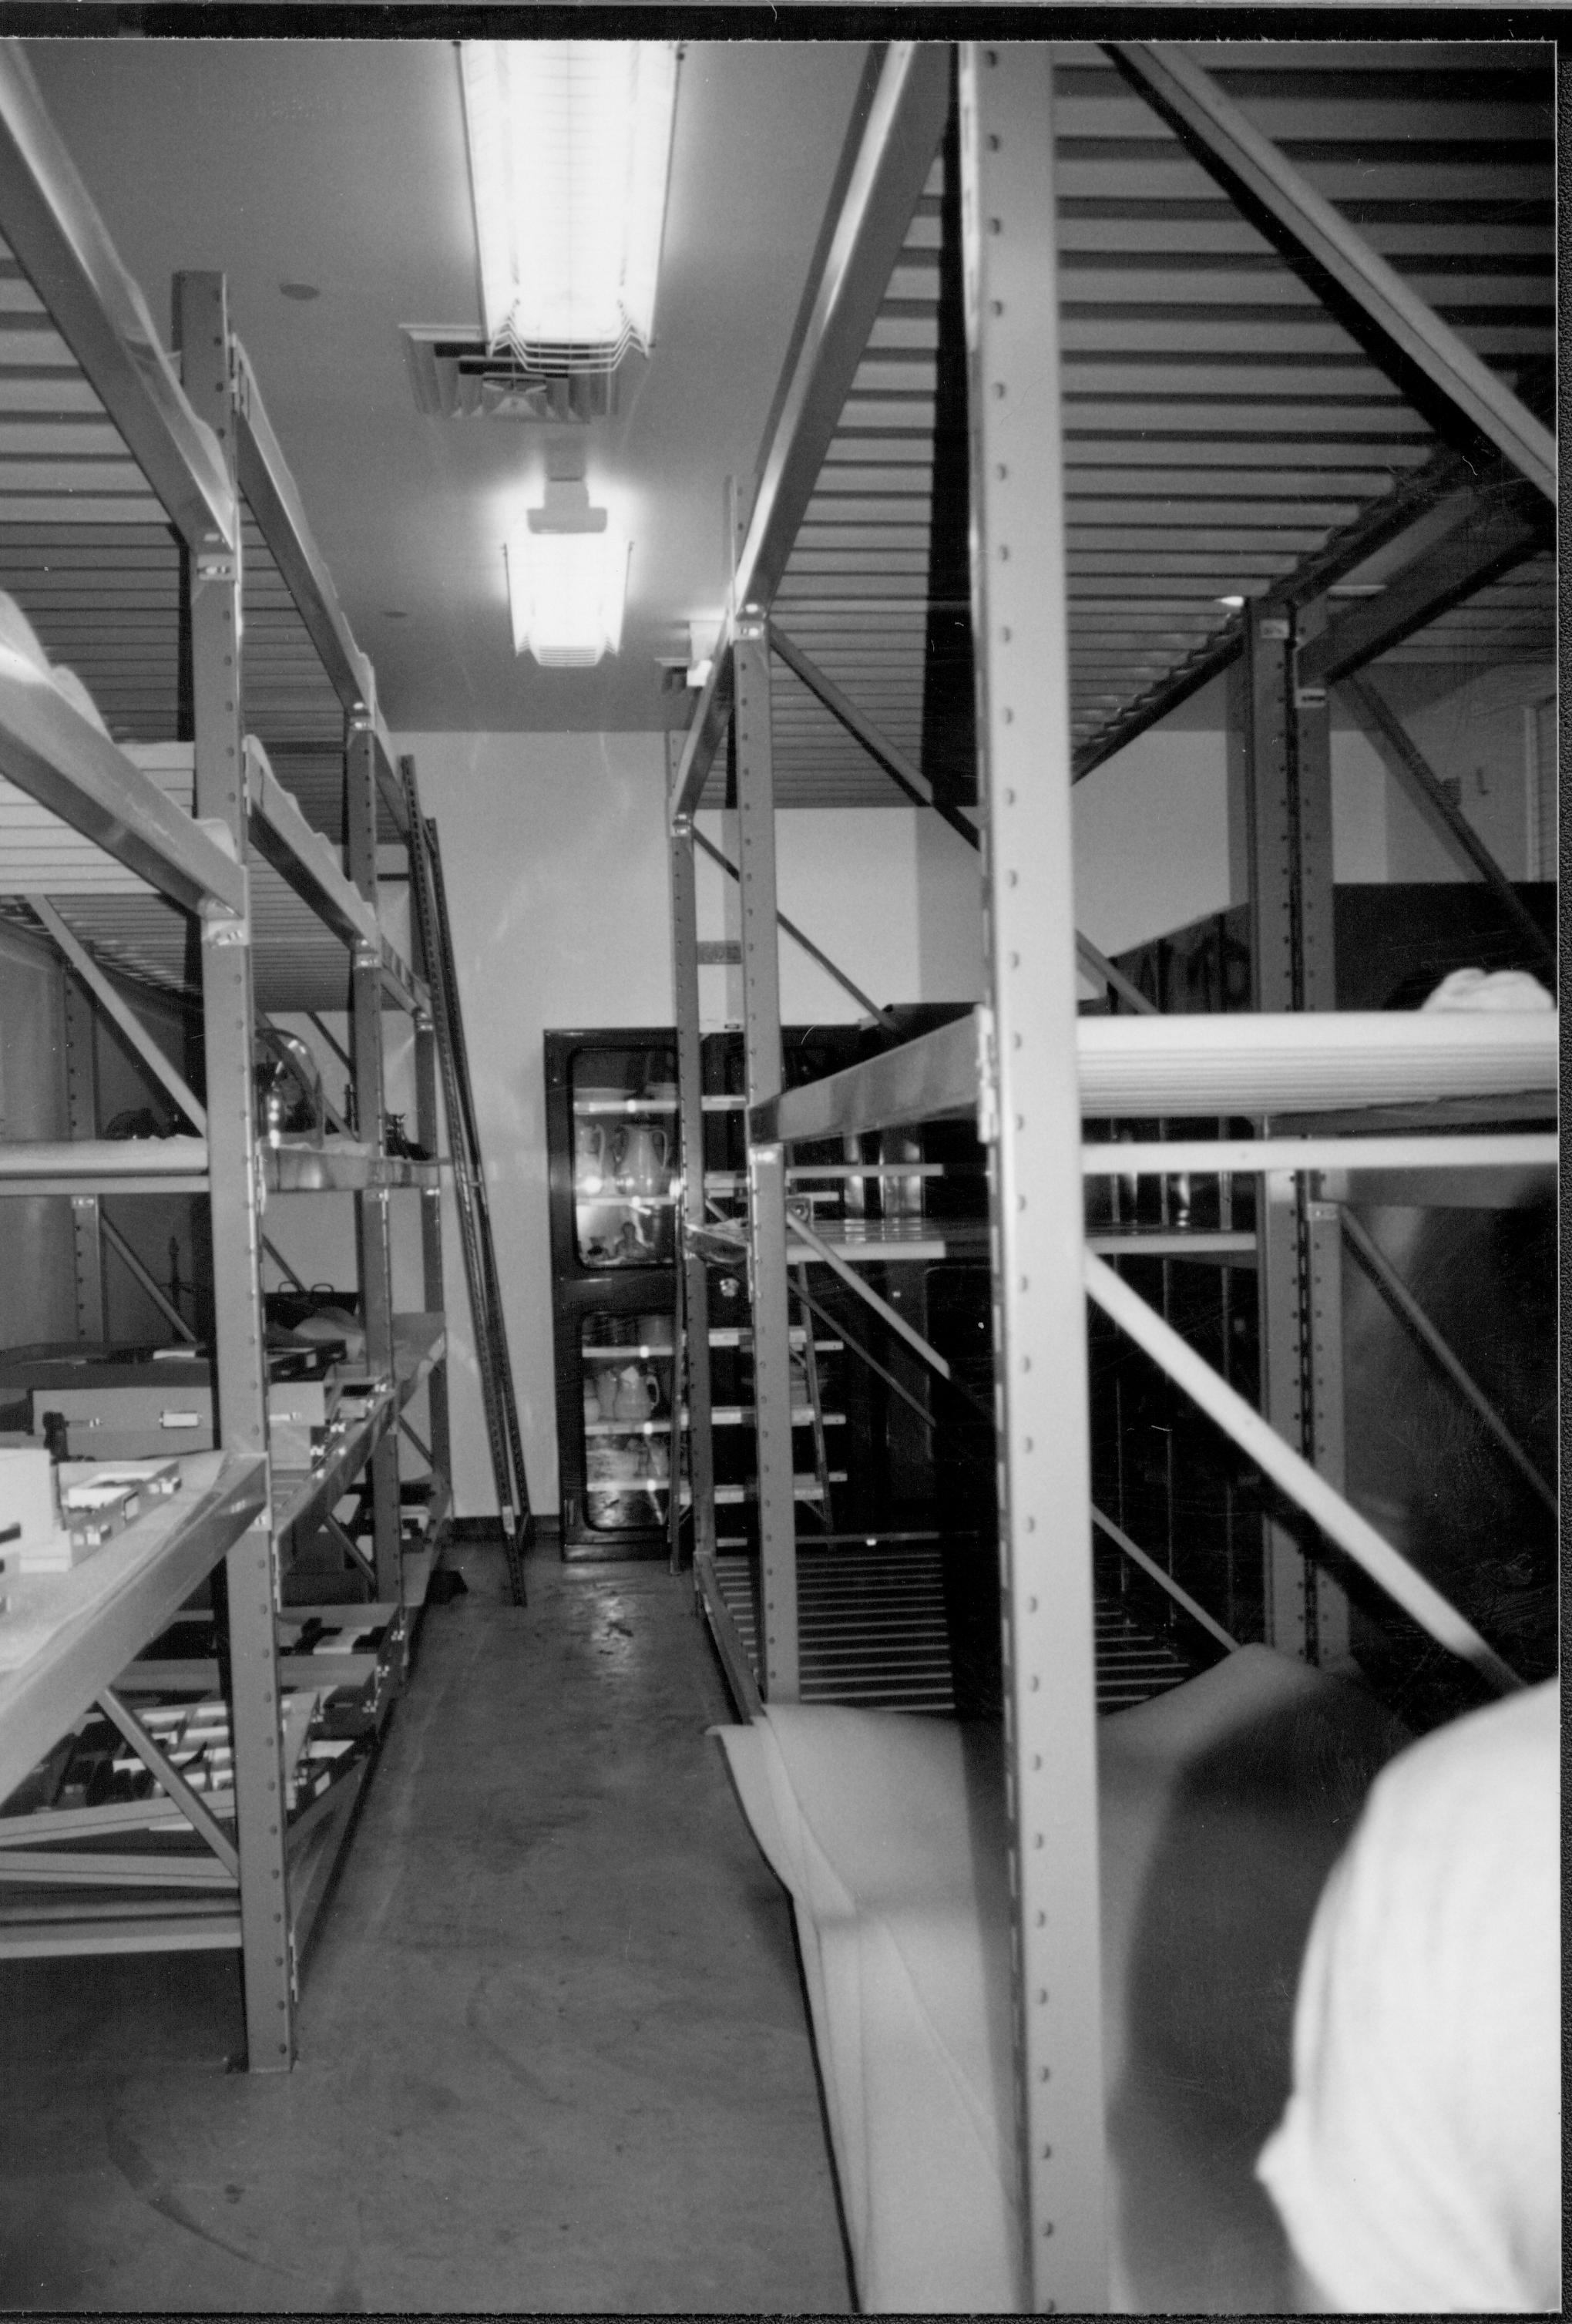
{"x": 613, "y": 1161}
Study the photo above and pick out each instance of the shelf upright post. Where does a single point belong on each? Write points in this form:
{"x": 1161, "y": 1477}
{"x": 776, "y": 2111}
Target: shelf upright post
{"x": 776, "y": 1581}
{"x": 428, "y": 1136}
{"x": 1287, "y": 792}
{"x": 372, "y": 1235}
{"x": 693, "y": 1375}
{"x": 82, "y": 1119}
{"x": 1321, "y": 1299}
{"x": 228, "y": 1017}
{"x": 1031, "y": 1112}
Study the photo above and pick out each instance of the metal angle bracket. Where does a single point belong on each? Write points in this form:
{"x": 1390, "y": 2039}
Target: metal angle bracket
{"x": 221, "y": 930}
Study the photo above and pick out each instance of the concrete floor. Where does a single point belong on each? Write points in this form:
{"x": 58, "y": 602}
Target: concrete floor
{"x": 554, "y": 2054}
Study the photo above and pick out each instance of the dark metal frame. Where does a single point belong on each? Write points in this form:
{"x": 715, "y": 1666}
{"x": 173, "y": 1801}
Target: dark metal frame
{"x": 579, "y": 1291}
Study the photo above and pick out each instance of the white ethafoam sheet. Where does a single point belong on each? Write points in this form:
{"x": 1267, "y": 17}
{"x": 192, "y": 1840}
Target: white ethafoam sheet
{"x": 1222, "y": 1807}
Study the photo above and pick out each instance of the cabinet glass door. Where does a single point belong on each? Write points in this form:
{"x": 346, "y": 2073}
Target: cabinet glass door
{"x": 624, "y": 1108}
{"x": 626, "y": 1364}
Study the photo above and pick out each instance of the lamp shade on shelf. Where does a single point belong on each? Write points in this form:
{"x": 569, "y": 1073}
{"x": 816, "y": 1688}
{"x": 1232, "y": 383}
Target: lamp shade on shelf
{"x": 570, "y": 153}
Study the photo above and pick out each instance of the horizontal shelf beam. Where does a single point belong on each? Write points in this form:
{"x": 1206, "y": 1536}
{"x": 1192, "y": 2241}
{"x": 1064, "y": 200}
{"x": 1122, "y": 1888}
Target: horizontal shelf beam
{"x": 899, "y": 134}
{"x": 936, "y": 1075}
{"x": 59, "y": 240}
{"x": 1151, "y": 1066}
{"x": 301, "y": 856}
{"x": 1499, "y": 1153}
{"x": 271, "y": 496}
{"x": 69, "y": 765}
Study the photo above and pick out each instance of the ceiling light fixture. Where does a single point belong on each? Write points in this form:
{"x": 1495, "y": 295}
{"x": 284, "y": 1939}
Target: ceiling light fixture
{"x": 567, "y": 577}
{"x": 569, "y": 155}
{"x": 1233, "y": 603}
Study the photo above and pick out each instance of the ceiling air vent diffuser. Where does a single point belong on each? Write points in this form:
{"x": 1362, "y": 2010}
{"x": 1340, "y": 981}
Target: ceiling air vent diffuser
{"x": 453, "y": 377}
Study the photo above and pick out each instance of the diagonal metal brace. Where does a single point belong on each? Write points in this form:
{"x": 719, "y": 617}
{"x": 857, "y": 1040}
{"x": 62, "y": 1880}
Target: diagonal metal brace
{"x": 125, "y": 1023}
{"x": 1376, "y": 1264}
{"x": 1293, "y": 1475}
{"x": 803, "y": 943}
{"x": 908, "y": 778}
{"x": 920, "y": 790}
{"x": 147, "y": 1281}
{"x": 1423, "y": 355}
{"x": 865, "y": 1292}
{"x": 1164, "y": 1580}
{"x": 195, "y": 1809}
{"x": 1097, "y": 965}
{"x": 864, "y": 1356}
{"x": 338, "y": 1534}
{"x": 1413, "y": 772}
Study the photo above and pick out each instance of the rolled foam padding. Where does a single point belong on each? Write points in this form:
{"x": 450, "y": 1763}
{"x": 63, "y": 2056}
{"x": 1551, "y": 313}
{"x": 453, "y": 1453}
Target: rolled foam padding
{"x": 1222, "y": 1806}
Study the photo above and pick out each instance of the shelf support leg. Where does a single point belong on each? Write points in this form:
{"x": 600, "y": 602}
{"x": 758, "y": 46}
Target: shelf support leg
{"x": 1020, "y": 625}
{"x": 777, "y": 1580}
{"x": 372, "y": 1225}
{"x": 693, "y": 1373}
{"x": 428, "y": 1136}
{"x": 228, "y": 1017}
{"x": 1288, "y": 789}
{"x": 82, "y": 1105}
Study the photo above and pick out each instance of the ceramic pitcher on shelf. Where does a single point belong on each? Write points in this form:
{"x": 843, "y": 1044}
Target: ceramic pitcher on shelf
{"x": 641, "y": 1160}
{"x": 638, "y": 1394}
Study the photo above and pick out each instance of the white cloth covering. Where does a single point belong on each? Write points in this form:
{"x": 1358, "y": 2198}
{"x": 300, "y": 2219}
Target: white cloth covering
{"x": 1501, "y": 989}
{"x": 1222, "y": 1805}
{"x": 1417, "y": 2165}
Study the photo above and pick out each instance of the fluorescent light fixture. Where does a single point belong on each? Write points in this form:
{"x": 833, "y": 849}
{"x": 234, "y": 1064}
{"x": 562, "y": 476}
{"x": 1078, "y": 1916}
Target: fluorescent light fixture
{"x": 567, "y": 577}
{"x": 570, "y": 153}
{"x": 1234, "y": 604}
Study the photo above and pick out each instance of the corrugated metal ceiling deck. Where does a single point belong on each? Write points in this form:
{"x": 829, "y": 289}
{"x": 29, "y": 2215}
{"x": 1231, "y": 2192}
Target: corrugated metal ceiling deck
{"x": 1219, "y": 426}
{"x": 88, "y": 553}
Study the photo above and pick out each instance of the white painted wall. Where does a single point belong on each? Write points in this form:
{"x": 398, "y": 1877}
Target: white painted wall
{"x": 891, "y": 894}
{"x": 554, "y": 853}
{"x": 553, "y": 847}
{"x": 1150, "y": 830}
{"x": 1151, "y": 826}
{"x": 1473, "y": 734}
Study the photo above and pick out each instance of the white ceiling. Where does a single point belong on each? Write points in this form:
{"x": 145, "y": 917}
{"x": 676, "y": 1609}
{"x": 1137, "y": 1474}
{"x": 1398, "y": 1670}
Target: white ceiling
{"x": 341, "y": 165}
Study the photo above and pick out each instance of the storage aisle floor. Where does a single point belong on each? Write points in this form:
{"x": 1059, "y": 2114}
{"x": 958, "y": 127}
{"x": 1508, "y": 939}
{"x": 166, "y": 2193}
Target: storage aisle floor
{"x": 553, "y": 2050}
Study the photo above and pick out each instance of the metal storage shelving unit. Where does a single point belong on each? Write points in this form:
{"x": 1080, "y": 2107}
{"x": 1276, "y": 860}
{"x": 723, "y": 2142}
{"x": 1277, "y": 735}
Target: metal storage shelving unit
{"x": 151, "y": 531}
{"x": 1202, "y": 344}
